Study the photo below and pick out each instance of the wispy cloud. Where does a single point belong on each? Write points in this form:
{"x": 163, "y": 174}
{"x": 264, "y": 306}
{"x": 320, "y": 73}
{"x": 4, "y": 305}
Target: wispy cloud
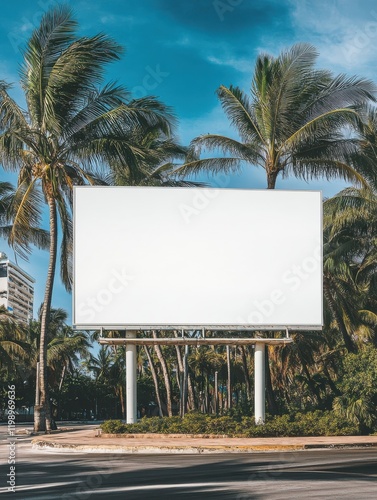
{"x": 345, "y": 33}
{"x": 241, "y": 64}
{"x": 116, "y": 20}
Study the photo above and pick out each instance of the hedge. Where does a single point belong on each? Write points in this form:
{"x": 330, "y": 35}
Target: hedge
{"x": 316, "y": 423}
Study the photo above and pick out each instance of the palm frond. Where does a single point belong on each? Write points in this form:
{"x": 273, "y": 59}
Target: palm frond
{"x": 211, "y": 165}
{"x": 238, "y": 109}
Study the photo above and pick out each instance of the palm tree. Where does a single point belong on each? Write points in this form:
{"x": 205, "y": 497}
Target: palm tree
{"x": 14, "y": 343}
{"x": 350, "y": 263}
{"x": 293, "y": 123}
{"x": 64, "y": 348}
{"x": 365, "y": 158}
{"x": 158, "y": 166}
{"x": 101, "y": 364}
{"x": 69, "y": 130}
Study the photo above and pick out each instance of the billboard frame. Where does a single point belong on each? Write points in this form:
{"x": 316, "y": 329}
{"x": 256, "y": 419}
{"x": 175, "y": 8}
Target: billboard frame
{"x": 193, "y": 326}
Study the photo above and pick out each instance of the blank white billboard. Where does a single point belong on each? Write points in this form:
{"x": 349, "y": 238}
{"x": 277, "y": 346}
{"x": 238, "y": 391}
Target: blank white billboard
{"x": 154, "y": 257}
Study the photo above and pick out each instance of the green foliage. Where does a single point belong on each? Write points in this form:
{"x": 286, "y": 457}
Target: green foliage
{"x": 222, "y": 425}
{"x": 315, "y": 423}
{"x": 359, "y": 389}
{"x": 114, "y": 427}
{"x": 242, "y": 409}
{"x": 292, "y": 122}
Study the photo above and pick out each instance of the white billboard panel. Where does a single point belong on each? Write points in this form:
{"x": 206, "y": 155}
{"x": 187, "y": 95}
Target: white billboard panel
{"x": 153, "y": 257}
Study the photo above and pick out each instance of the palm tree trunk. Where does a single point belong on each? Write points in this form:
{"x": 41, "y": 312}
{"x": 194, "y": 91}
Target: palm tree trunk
{"x": 229, "y": 380}
{"x": 311, "y": 384}
{"x": 155, "y": 380}
{"x": 216, "y": 394}
{"x": 185, "y": 380}
{"x": 271, "y": 179}
{"x": 191, "y": 394}
{"x": 121, "y": 398}
{"x": 42, "y": 413}
{"x": 179, "y": 373}
{"x": 350, "y": 346}
{"x": 166, "y": 376}
{"x": 188, "y": 392}
{"x": 246, "y": 372}
{"x": 330, "y": 381}
{"x": 271, "y": 401}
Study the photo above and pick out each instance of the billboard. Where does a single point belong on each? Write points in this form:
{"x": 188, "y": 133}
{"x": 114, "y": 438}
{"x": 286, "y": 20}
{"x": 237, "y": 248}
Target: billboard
{"x": 156, "y": 257}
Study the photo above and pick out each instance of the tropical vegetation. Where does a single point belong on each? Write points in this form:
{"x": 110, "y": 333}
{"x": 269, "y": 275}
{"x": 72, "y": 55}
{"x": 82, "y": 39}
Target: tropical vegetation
{"x": 69, "y": 131}
{"x": 76, "y": 129}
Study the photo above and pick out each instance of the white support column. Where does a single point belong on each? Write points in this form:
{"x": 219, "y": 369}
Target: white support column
{"x": 131, "y": 396}
{"x": 259, "y": 383}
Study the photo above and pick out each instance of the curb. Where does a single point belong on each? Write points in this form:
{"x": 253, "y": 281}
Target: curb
{"x": 150, "y": 449}
{"x": 47, "y": 445}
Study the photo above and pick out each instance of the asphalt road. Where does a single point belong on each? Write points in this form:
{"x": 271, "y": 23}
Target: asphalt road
{"x": 338, "y": 474}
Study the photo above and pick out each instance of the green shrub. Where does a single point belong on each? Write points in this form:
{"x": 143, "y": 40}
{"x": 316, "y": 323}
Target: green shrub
{"x": 195, "y": 423}
{"x": 222, "y": 425}
{"x": 324, "y": 423}
{"x": 114, "y": 427}
{"x": 316, "y": 423}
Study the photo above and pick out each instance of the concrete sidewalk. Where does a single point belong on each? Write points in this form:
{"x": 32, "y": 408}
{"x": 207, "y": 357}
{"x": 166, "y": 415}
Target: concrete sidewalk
{"x": 90, "y": 441}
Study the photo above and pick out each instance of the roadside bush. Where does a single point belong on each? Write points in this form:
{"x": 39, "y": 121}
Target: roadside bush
{"x": 316, "y": 423}
{"x": 195, "y": 423}
{"x": 222, "y": 425}
{"x": 324, "y": 423}
{"x": 114, "y": 427}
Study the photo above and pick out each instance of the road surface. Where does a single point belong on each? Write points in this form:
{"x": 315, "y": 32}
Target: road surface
{"x": 311, "y": 474}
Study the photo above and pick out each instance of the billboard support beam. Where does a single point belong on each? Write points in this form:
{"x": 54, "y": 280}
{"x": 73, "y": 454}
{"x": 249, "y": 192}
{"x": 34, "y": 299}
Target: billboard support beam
{"x": 131, "y": 394}
{"x": 195, "y": 342}
{"x": 259, "y": 383}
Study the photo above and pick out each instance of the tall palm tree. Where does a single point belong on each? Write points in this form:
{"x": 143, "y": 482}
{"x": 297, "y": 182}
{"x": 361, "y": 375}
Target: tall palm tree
{"x": 293, "y": 122}
{"x": 69, "y": 130}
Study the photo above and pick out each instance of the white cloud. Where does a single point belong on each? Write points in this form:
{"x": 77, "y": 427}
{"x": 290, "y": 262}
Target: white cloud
{"x": 345, "y": 33}
{"x": 220, "y": 54}
{"x": 242, "y": 65}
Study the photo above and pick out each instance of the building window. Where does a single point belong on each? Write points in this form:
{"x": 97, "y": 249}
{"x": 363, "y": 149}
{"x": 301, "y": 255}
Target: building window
{"x": 3, "y": 270}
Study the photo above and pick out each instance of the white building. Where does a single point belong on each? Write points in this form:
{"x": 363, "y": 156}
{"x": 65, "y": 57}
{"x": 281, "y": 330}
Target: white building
{"x": 16, "y": 290}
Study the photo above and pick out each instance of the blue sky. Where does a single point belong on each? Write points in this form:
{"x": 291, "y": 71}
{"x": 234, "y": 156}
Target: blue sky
{"x": 181, "y": 51}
